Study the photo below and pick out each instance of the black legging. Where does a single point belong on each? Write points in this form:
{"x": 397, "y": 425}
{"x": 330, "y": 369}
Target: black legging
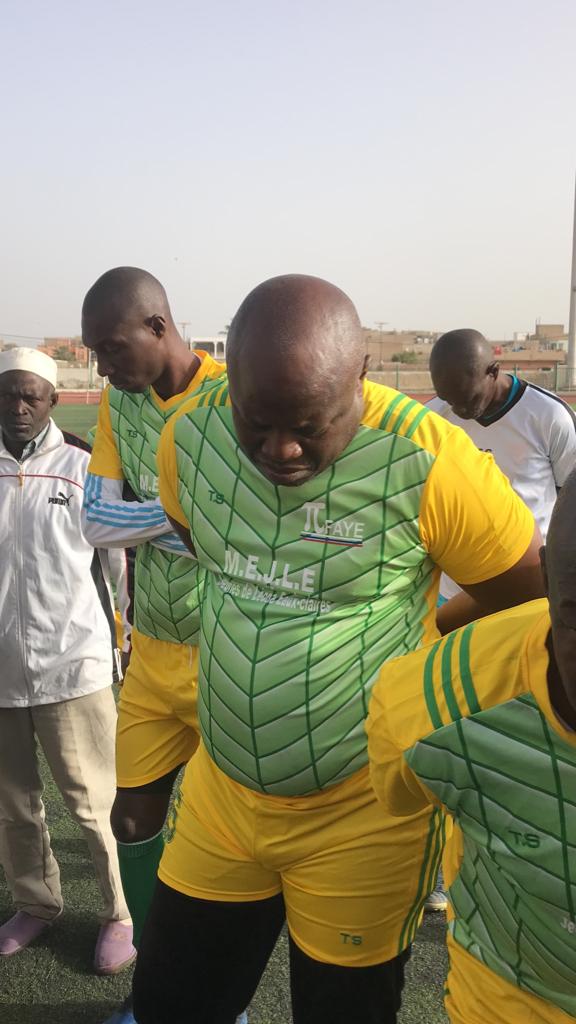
{"x": 200, "y": 962}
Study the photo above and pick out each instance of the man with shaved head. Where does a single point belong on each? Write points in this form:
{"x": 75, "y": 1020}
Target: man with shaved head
{"x": 530, "y": 432}
{"x": 127, "y": 323}
{"x": 322, "y": 507}
{"x": 483, "y": 725}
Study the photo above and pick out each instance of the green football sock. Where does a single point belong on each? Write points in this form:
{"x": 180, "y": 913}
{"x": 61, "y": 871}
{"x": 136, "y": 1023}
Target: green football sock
{"x": 138, "y": 871}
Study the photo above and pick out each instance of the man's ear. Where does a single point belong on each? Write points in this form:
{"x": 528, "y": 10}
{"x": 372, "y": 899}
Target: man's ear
{"x": 493, "y": 369}
{"x": 157, "y": 323}
{"x": 362, "y": 376}
{"x": 54, "y": 399}
{"x": 542, "y": 554}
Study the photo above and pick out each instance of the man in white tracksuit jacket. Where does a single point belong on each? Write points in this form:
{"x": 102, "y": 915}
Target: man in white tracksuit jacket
{"x": 56, "y": 656}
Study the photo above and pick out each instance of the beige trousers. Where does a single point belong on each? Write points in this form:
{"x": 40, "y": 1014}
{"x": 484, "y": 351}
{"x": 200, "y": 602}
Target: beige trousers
{"x": 77, "y": 737}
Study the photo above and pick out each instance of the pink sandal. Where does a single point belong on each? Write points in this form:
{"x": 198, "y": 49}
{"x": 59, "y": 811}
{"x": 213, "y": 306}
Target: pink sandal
{"x": 19, "y": 932}
{"x": 114, "y": 949}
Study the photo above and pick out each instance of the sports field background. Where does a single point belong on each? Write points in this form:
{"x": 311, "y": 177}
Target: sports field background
{"x": 79, "y": 418}
{"x": 76, "y": 418}
{"x": 52, "y": 983}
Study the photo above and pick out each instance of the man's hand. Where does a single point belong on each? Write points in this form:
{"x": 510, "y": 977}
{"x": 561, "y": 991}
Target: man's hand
{"x": 125, "y": 661}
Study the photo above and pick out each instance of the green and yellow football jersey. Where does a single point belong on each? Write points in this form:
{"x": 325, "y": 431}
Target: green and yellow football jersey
{"x": 167, "y": 583}
{"x": 467, "y": 723}
{"x": 311, "y": 589}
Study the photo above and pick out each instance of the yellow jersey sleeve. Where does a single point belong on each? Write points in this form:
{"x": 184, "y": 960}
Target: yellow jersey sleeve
{"x": 473, "y": 525}
{"x": 105, "y": 459}
{"x": 395, "y": 703}
{"x": 167, "y": 464}
{"x": 167, "y": 461}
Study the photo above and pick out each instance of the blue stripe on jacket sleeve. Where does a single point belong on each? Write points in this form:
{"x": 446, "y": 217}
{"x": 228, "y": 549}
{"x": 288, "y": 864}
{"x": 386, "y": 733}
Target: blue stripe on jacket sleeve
{"x": 108, "y": 513}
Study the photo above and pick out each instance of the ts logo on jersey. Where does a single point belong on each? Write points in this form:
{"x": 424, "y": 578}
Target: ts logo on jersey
{"x": 347, "y": 533}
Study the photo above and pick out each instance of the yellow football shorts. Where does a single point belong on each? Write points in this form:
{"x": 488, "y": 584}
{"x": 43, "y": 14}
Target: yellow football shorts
{"x": 354, "y": 880}
{"x": 157, "y": 715}
{"x": 476, "y": 995}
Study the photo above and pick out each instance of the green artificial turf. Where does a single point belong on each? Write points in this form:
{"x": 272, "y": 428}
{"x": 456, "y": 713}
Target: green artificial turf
{"x": 76, "y": 418}
{"x": 51, "y": 982}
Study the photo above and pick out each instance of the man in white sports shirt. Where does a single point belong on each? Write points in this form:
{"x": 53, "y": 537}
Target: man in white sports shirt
{"x": 530, "y": 432}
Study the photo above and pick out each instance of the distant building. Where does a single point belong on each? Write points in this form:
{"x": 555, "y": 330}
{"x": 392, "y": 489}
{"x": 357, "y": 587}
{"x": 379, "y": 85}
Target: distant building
{"x": 67, "y": 349}
{"x": 381, "y": 346}
{"x": 549, "y": 332}
{"x": 510, "y": 357}
{"x": 545, "y": 348}
{"x": 5, "y": 346}
{"x": 215, "y": 346}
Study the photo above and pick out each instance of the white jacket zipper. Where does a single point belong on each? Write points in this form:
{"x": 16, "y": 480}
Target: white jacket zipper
{"x": 19, "y": 573}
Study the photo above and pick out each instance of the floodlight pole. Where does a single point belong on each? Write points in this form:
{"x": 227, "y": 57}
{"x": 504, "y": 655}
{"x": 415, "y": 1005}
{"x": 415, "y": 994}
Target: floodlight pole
{"x": 184, "y": 324}
{"x": 380, "y": 324}
{"x": 571, "y": 354}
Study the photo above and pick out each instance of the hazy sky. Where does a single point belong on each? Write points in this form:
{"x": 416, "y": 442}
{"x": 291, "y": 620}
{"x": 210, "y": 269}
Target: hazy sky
{"x": 419, "y": 154}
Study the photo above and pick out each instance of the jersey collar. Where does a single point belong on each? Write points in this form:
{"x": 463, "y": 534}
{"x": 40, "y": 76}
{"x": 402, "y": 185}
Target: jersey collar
{"x": 206, "y": 368}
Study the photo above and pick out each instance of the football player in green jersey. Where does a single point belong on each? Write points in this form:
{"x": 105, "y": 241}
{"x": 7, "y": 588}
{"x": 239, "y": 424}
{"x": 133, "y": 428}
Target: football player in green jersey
{"x": 483, "y": 723}
{"x": 322, "y": 507}
{"x": 128, "y": 325}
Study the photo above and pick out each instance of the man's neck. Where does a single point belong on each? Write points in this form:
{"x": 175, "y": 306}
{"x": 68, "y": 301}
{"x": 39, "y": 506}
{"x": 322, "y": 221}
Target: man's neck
{"x": 14, "y": 447}
{"x": 502, "y": 389}
{"x": 178, "y": 374}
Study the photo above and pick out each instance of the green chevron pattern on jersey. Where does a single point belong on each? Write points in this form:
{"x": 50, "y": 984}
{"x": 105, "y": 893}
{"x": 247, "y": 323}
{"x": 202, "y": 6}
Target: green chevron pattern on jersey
{"x": 510, "y": 782}
{"x": 311, "y": 589}
{"x": 167, "y": 585}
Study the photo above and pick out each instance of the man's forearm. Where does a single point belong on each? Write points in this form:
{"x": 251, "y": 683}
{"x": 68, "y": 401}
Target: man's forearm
{"x": 522, "y": 582}
{"x": 111, "y": 522}
{"x": 458, "y": 611}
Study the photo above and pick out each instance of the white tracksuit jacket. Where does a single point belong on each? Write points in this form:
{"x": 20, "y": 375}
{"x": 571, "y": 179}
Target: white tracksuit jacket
{"x": 55, "y": 641}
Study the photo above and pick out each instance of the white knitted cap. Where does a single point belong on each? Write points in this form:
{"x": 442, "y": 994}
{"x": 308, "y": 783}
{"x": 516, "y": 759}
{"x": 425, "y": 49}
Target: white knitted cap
{"x": 31, "y": 360}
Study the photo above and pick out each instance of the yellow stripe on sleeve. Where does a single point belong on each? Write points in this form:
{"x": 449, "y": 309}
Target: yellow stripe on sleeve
{"x": 105, "y": 458}
{"x": 167, "y": 463}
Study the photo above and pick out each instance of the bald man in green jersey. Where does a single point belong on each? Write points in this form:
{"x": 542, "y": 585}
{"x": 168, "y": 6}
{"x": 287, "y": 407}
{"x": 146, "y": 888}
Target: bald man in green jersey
{"x": 322, "y": 507}
{"x": 128, "y": 325}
